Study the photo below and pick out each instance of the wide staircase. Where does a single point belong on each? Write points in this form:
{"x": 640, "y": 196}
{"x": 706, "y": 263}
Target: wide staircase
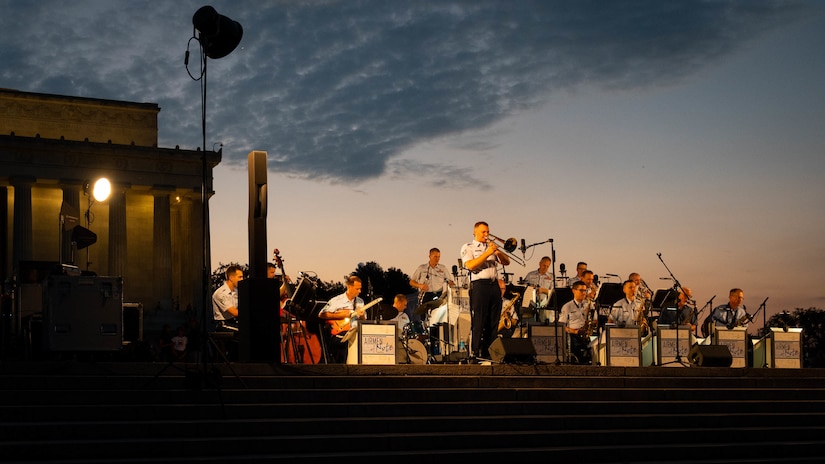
{"x": 89, "y": 412}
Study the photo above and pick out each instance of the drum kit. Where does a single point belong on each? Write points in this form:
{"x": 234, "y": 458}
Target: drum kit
{"x": 423, "y": 343}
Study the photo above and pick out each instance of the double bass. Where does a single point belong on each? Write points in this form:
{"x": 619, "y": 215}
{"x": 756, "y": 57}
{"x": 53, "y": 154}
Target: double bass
{"x": 298, "y": 345}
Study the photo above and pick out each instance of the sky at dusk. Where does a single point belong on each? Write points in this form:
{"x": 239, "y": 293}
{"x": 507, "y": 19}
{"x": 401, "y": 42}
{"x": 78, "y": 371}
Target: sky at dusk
{"x": 675, "y": 139}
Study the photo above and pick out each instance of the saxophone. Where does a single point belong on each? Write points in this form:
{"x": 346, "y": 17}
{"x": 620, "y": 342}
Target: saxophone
{"x": 641, "y": 320}
{"x": 591, "y": 321}
{"x": 505, "y": 322}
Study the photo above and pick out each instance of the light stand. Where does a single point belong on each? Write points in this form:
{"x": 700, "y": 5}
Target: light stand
{"x": 218, "y": 36}
{"x": 100, "y": 192}
{"x": 678, "y": 287}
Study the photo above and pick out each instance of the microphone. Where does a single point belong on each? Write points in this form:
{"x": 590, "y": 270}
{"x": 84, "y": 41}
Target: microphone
{"x": 665, "y": 278}
{"x": 596, "y": 279}
{"x": 523, "y": 246}
{"x": 611, "y": 275}
{"x": 455, "y": 270}
{"x": 562, "y": 268}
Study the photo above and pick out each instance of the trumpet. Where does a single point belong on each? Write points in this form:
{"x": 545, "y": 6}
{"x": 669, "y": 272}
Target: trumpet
{"x": 509, "y": 246}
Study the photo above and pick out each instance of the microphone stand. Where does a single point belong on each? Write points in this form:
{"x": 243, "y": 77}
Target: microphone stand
{"x": 678, "y": 287}
{"x": 699, "y": 313}
{"x": 555, "y": 303}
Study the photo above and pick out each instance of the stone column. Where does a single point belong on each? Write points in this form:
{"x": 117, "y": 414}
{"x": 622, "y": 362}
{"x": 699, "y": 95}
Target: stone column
{"x": 117, "y": 230}
{"x": 22, "y": 232}
{"x": 162, "y": 251}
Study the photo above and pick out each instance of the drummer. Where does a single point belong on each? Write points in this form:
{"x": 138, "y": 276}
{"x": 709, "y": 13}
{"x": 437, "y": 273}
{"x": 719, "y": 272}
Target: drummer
{"x": 400, "y": 304}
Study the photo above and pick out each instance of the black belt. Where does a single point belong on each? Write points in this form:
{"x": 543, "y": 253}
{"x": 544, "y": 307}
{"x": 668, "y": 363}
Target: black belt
{"x": 485, "y": 281}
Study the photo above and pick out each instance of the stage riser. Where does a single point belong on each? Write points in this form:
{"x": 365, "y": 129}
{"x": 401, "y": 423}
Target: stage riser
{"x": 147, "y": 413}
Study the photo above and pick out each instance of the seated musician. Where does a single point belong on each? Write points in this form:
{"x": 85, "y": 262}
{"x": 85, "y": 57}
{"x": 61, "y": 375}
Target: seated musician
{"x": 542, "y": 281}
{"x": 225, "y": 300}
{"x": 628, "y": 310}
{"x": 341, "y": 314}
{"x": 574, "y": 316}
{"x": 733, "y": 313}
{"x": 684, "y": 314}
{"x": 400, "y": 304}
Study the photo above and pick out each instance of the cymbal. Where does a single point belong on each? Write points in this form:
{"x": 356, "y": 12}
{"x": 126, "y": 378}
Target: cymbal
{"x": 386, "y": 311}
{"x": 430, "y": 305}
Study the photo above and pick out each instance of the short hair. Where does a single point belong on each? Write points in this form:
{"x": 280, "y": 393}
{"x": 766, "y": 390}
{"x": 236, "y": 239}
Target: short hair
{"x": 633, "y": 275}
{"x": 628, "y": 281}
{"x": 480, "y": 223}
{"x": 232, "y": 269}
{"x": 578, "y": 283}
{"x": 587, "y": 272}
{"x": 433, "y": 250}
{"x": 735, "y": 290}
{"x": 351, "y": 280}
{"x": 400, "y": 297}
{"x": 545, "y": 257}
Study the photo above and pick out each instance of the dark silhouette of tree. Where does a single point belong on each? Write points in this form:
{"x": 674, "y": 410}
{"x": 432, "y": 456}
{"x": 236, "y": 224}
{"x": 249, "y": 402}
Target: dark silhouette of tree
{"x": 812, "y": 323}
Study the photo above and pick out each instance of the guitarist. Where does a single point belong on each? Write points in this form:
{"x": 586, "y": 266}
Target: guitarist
{"x": 341, "y": 313}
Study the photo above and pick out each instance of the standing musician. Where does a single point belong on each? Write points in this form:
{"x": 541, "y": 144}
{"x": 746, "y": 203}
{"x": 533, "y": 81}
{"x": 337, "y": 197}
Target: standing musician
{"x": 542, "y": 281}
{"x": 341, "y": 314}
{"x": 431, "y": 278}
{"x": 732, "y": 314}
{"x": 628, "y": 310}
{"x": 482, "y": 257}
{"x": 574, "y": 315}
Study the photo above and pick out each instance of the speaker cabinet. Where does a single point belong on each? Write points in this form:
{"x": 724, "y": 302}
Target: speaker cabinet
{"x": 512, "y": 351}
{"x": 259, "y": 320}
{"x": 710, "y": 356}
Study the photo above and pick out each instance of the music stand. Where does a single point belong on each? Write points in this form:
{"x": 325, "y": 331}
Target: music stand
{"x": 663, "y": 298}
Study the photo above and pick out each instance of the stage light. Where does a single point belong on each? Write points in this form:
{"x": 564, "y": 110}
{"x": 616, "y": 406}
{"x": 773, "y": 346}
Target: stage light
{"x": 102, "y": 189}
{"x": 219, "y": 35}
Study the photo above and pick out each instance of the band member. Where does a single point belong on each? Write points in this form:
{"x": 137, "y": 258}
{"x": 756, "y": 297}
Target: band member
{"x": 482, "y": 257}
{"x": 628, "y": 310}
{"x": 574, "y": 316}
{"x": 581, "y": 266}
{"x": 542, "y": 281}
{"x": 225, "y": 300}
{"x": 400, "y": 304}
{"x": 732, "y": 314}
{"x": 341, "y": 314}
{"x": 684, "y": 314}
{"x": 643, "y": 292}
{"x": 591, "y": 284}
{"x": 431, "y": 278}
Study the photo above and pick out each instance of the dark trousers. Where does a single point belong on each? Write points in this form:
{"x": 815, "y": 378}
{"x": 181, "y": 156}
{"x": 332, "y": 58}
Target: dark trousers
{"x": 485, "y": 306}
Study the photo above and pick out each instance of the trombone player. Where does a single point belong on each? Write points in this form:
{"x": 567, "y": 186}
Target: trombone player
{"x": 482, "y": 258}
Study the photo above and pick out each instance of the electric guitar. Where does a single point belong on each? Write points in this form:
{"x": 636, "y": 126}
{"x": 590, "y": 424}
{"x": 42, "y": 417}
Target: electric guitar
{"x": 342, "y": 325}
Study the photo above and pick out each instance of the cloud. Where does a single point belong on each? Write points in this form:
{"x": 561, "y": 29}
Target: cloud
{"x": 336, "y": 91}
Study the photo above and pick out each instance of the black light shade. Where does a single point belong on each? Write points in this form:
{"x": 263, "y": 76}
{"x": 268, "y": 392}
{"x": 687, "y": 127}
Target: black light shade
{"x": 83, "y": 237}
{"x": 219, "y": 35}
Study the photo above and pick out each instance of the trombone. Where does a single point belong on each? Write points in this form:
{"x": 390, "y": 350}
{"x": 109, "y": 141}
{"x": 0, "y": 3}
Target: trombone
{"x": 509, "y": 246}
